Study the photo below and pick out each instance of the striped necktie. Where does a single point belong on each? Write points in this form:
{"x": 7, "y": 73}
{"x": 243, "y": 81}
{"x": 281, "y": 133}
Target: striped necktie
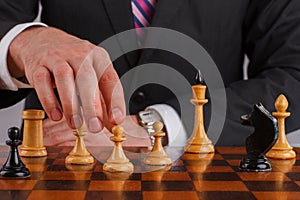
{"x": 143, "y": 11}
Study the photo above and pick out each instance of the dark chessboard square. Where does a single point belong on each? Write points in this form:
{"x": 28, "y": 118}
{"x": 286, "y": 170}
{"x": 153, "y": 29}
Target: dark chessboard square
{"x": 233, "y": 156}
{"x": 178, "y": 169}
{"x": 62, "y": 155}
{"x": 115, "y": 176}
{"x": 272, "y": 186}
{"x": 66, "y": 149}
{"x": 14, "y": 194}
{"x": 57, "y": 168}
{"x": 214, "y": 176}
{"x": 277, "y": 195}
{"x": 62, "y": 185}
{"x": 297, "y": 163}
{"x": 218, "y": 163}
{"x": 53, "y": 149}
{"x": 211, "y": 163}
{"x": 98, "y": 176}
{"x": 49, "y": 161}
{"x": 167, "y": 186}
{"x": 225, "y": 195}
{"x": 52, "y": 155}
{"x": 114, "y": 195}
{"x": 293, "y": 176}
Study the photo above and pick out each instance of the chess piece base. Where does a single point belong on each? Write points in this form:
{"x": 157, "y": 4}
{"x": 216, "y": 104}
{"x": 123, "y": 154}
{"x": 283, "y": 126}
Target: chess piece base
{"x": 33, "y": 152}
{"x": 281, "y": 154}
{"x": 156, "y": 160}
{"x": 79, "y": 159}
{"x": 261, "y": 164}
{"x": 199, "y": 148}
{"x": 118, "y": 167}
{"x": 15, "y": 173}
{"x": 74, "y": 167}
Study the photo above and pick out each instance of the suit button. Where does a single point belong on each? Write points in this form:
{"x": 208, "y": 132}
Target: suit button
{"x": 139, "y": 97}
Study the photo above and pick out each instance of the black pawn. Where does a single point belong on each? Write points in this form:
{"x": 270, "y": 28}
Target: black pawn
{"x": 14, "y": 167}
{"x": 261, "y": 140}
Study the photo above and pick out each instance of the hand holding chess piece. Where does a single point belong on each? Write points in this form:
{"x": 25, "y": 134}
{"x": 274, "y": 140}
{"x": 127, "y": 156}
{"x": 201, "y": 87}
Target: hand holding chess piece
{"x": 282, "y": 148}
{"x": 118, "y": 162}
{"x": 261, "y": 141}
{"x": 14, "y": 167}
{"x": 199, "y": 142}
{"x": 157, "y": 156}
{"x": 79, "y": 154}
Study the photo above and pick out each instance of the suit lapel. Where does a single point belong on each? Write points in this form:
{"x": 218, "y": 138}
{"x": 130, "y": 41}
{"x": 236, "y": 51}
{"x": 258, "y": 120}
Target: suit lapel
{"x": 121, "y": 19}
{"x": 165, "y": 12}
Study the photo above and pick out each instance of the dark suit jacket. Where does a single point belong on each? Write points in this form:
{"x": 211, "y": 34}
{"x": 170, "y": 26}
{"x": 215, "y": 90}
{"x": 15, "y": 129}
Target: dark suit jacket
{"x": 268, "y": 31}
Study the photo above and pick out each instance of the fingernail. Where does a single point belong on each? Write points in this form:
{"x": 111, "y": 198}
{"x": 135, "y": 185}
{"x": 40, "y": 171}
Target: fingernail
{"x": 56, "y": 114}
{"x": 76, "y": 121}
{"x": 117, "y": 115}
{"x": 94, "y": 125}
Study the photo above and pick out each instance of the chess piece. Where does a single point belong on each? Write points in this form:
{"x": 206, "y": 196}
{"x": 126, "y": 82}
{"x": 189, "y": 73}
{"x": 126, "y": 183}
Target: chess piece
{"x": 118, "y": 162}
{"x": 14, "y": 167}
{"x": 281, "y": 149}
{"x": 261, "y": 141}
{"x": 199, "y": 142}
{"x": 157, "y": 156}
{"x": 33, "y": 134}
{"x": 79, "y": 154}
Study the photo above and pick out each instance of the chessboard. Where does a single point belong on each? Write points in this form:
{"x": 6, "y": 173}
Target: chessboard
{"x": 192, "y": 176}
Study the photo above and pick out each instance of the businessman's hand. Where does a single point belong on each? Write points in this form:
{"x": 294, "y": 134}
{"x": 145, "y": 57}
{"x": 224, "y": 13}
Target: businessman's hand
{"x": 51, "y": 58}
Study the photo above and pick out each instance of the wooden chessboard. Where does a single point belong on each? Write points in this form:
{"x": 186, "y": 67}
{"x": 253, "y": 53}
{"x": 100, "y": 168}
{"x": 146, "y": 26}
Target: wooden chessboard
{"x": 191, "y": 177}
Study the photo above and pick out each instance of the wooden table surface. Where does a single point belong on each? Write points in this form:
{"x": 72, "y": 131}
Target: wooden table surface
{"x": 192, "y": 176}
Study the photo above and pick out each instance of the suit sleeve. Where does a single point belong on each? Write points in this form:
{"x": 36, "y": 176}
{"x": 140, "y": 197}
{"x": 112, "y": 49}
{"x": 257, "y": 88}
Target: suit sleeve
{"x": 272, "y": 43}
{"x": 13, "y": 12}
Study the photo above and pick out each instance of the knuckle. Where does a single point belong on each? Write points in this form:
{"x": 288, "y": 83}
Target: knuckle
{"x": 48, "y": 102}
{"x": 85, "y": 71}
{"x": 62, "y": 71}
{"x": 88, "y": 43}
{"x": 109, "y": 77}
{"x": 101, "y": 51}
{"x": 40, "y": 75}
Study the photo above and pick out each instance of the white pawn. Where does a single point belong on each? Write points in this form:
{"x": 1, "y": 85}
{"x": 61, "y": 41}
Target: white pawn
{"x": 79, "y": 154}
{"x": 158, "y": 156}
{"x": 118, "y": 162}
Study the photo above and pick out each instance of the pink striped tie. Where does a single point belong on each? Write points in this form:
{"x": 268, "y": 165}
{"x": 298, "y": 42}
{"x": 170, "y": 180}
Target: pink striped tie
{"x": 143, "y": 11}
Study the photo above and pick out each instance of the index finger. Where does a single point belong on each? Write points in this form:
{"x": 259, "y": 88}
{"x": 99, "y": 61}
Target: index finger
{"x": 111, "y": 88}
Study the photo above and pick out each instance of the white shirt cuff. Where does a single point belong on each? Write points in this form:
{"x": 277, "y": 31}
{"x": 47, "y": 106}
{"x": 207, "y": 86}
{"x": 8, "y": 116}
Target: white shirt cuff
{"x": 177, "y": 135}
{"x": 6, "y": 81}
